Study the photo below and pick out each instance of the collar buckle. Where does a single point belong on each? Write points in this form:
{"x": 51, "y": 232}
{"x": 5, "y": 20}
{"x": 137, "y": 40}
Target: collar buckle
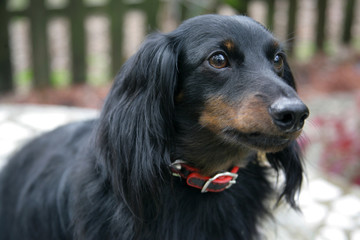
{"x": 217, "y": 183}
{"x": 219, "y": 175}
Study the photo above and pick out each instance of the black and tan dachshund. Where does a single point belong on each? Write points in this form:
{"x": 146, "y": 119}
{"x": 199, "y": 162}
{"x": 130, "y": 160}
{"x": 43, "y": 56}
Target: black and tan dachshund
{"x": 188, "y": 135}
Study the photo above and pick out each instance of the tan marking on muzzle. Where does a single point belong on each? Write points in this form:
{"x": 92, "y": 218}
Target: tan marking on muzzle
{"x": 248, "y": 116}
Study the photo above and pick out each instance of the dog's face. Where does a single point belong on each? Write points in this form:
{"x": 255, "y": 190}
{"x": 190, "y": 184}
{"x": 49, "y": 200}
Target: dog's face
{"x": 235, "y": 83}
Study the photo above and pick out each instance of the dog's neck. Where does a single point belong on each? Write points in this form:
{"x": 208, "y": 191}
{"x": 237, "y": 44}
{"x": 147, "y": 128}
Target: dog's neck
{"x": 203, "y": 150}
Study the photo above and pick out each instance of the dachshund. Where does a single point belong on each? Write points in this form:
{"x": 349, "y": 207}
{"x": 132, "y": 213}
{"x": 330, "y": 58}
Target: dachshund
{"x": 194, "y": 125}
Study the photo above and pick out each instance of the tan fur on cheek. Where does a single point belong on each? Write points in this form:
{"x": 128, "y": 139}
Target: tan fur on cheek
{"x": 179, "y": 97}
{"x": 217, "y": 114}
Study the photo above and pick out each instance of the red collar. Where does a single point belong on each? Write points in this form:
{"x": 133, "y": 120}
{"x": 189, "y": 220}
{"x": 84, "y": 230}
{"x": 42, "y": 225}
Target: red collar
{"x": 217, "y": 183}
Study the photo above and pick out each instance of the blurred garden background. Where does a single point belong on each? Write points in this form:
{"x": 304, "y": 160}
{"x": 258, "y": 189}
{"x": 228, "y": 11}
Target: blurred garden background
{"x": 77, "y": 46}
{"x": 67, "y": 52}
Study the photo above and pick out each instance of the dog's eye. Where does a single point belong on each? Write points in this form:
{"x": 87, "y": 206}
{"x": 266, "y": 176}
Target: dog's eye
{"x": 218, "y": 60}
{"x": 278, "y": 62}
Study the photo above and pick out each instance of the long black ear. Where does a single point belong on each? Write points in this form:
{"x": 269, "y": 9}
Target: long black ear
{"x": 136, "y": 122}
{"x": 290, "y": 161}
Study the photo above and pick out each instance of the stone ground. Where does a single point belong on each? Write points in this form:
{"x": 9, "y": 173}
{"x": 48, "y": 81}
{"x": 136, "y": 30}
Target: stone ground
{"x": 330, "y": 208}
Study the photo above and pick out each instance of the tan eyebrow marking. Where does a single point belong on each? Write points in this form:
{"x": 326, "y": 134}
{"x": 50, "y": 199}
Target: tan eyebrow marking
{"x": 229, "y": 44}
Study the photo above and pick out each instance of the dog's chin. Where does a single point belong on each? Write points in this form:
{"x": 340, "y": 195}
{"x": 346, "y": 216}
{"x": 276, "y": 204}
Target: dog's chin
{"x": 259, "y": 141}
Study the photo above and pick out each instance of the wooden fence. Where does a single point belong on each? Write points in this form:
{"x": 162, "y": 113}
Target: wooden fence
{"x": 76, "y": 11}
{"x": 320, "y": 25}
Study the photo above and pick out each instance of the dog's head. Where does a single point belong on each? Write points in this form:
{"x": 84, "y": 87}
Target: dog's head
{"x": 235, "y": 81}
{"x": 214, "y": 90}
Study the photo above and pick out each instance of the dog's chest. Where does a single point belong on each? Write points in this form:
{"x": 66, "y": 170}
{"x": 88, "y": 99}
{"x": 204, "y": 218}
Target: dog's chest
{"x": 232, "y": 214}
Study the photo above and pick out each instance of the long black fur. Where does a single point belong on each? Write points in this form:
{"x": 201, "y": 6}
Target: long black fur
{"x": 109, "y": 178}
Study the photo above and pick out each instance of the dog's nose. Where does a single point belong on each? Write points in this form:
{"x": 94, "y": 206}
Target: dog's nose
{"x": 289, "y": 114}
